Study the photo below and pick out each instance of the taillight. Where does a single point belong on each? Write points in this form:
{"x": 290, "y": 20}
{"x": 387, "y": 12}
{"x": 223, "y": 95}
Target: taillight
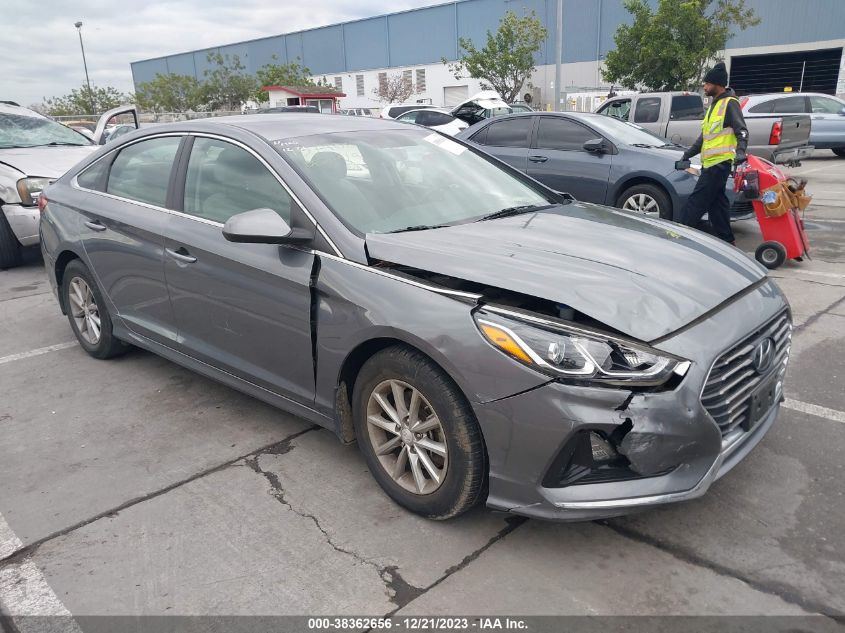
{"x": 742, "y": 103}
{"x": 42, "y": 202}
{"x": 774, "y": 137}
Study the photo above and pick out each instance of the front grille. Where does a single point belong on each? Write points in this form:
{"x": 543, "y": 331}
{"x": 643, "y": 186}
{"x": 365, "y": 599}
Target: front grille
{"x": 733, "y": 378}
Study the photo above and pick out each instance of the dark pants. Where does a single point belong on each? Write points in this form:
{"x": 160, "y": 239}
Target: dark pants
{"x": 709, "y": 197}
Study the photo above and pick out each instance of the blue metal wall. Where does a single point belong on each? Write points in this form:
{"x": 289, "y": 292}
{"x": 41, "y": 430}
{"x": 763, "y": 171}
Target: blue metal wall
{"x": 424, "y": 36}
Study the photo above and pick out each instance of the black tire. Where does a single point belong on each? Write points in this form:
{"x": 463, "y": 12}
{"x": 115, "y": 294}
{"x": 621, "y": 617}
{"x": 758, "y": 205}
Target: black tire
{"x": 771, "y": 254}
{"x": 664, "y": 203}
{"x": 10, "y": 248}
{"x": 839, "y": 151}
{"x": 465, "y": 480}
{"x": 106, "y": 345}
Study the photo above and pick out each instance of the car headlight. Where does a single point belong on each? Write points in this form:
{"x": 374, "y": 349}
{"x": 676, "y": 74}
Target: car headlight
{"x": 578, "y": 355}
{"x": 30, "y": 188}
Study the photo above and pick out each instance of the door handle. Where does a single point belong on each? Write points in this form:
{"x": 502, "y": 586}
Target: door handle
{"x": 181, "y": 255}
{"x": 95, "y": 225}
{"x": 538, "y": 159}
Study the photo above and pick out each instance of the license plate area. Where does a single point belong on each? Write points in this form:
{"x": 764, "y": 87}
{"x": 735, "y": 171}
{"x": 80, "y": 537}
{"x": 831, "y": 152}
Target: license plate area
{"x": 763, "y": 398}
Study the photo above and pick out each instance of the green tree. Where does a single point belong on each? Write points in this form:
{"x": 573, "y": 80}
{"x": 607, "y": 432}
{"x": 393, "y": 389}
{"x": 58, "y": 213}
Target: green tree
{"x": 83, "y": 101}
{"x": 670, "y": 48}
{"x": 507, "y": 59}
{"x": 274, "y": 74}
{"x": 170, "y": 93}
{"x": 227, "y": 84}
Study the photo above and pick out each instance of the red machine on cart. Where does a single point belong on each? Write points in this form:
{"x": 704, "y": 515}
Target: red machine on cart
{"x": 778, "y": 203}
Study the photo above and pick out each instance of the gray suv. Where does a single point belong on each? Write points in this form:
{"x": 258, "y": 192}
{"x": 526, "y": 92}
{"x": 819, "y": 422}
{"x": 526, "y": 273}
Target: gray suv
{"x": 482, "y": 337}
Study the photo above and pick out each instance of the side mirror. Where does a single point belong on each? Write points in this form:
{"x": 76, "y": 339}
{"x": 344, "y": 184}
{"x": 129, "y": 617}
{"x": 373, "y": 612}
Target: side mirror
{"x": 263, "y": 226}
{"x": 596, "y": 145}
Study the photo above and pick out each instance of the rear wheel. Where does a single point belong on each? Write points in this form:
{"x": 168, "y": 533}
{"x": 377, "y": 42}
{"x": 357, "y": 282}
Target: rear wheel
{"x": 10, "y": 248}
{"x": 647, "y": 199}
{"x": 86, "y": 310}
{"x": 839, "y": 151}
{"x": 771, "y": 254}
{"x": 418, "y": 434}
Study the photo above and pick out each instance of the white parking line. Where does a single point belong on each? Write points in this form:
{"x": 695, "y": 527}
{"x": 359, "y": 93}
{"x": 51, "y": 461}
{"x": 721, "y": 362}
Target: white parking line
{"x": 36, "y": 352}
{"x": 814, "y": 409}
{"x": 24, "y": 591}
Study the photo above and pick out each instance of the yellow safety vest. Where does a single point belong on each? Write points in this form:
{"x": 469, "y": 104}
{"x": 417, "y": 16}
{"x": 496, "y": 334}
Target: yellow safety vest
{"x": 719, "y": 142}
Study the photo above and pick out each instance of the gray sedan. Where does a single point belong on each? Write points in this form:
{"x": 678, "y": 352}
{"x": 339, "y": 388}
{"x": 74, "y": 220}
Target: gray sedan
{"x": 482, "y": 337}
{"x": 595, "y": 158}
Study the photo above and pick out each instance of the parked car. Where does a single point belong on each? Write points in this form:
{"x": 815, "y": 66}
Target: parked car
{"x": 677, "y": 117}
{"x": 520, "y": 107}
{"x": 34, "y": 151}
{"x": 393, "y": 110}
{"x": 826, "y": 112}
{"x": 436, "y": 119}
{"x": 592, "y": 157}
{"x": 482, "y": 105}
{"x": 482, "y": 336}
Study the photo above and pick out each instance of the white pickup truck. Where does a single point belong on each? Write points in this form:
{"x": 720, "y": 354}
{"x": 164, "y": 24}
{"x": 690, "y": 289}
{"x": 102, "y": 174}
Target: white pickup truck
{"x": 677, "y": 116}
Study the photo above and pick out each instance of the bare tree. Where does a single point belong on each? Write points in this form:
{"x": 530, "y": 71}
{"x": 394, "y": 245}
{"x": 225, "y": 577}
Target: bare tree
{"x": 395, "y": 88}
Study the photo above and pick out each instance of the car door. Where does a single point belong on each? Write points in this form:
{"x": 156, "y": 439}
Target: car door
{"x": 559, "y": 160}
{"x": 243, "y": 308}
{"x": 828, "y": 128}
{"x": 508, "y": 140}
{"x": 123, "y": 232}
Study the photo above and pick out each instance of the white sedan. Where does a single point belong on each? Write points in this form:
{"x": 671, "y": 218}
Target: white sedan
{"x": 434, "y": 118}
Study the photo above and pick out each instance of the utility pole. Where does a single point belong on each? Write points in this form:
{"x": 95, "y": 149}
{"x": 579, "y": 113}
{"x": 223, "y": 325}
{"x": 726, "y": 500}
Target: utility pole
{"x": 78, "y": 26}
{"x": 558, "y": 52}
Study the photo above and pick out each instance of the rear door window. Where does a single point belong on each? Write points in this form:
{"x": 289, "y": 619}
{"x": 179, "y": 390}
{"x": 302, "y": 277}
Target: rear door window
{"x": 509, "y": 133}
{"x": 648, "y": 110}
{"x": 141, "y": 171}
{"x": 94, "y": 177}
{"x": 686, "y": 108}
{"x": 790, "y": 105}
{"x": 562, "y": 134}
{"x": 223, "y": 180}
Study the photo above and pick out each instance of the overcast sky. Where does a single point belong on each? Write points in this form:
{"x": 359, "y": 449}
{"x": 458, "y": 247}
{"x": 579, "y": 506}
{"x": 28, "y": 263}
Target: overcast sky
{"x": 40, "y": 54}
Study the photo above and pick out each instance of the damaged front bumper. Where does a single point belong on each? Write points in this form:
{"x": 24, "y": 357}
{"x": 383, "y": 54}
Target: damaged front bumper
{"x": 673, "y": 448}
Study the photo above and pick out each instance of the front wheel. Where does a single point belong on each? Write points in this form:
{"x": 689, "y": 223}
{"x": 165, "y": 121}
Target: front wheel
{"x": 418, "y": 434}
{"x": 771, "y": 254}
{"x": 86, "y": 310}
{"x": 646, "y": 199}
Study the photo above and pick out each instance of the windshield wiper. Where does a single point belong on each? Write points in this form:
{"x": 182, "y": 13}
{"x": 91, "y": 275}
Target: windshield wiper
{"x": 57, "y": 143}
{"x": 418, "y": 227}
{"x": 503, "y": 213}
{"x": 645, "y": 145}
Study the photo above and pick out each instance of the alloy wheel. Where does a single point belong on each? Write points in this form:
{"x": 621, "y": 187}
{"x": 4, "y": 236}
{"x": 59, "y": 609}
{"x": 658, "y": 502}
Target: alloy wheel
{"x": 407, "y": 437}
{"x": 84, "y": 310}
{"x": 642, "y": 203}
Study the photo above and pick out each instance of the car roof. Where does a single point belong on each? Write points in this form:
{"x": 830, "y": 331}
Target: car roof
{"x": 7, "y": 108}
{"x": 781, "y": 95}
{"x": 284, "y": 125}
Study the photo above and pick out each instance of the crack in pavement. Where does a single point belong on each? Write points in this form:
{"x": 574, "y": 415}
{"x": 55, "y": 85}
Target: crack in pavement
{"x": 401, "y": 590}
{"x": 31, "y": 548}
{"x": 818, "y": 315}
{"x": 781, "y": 590}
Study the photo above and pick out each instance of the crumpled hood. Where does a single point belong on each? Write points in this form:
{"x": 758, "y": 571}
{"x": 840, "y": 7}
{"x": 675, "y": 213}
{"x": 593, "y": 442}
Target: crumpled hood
{"x": 49, "y": 162}
{"x": 645, "y": 278}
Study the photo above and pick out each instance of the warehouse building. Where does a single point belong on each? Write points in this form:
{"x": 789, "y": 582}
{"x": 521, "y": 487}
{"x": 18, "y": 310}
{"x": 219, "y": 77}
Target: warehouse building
{"x": 797, "y": 46}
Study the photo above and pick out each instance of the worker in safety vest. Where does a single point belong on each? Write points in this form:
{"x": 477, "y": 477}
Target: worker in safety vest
{"x": 722, "y": 144}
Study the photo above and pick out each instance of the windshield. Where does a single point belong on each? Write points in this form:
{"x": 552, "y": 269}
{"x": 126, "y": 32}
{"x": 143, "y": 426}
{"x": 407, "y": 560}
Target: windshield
{"x": 393, "y": 180}
{"x": 32, "y": 131}
{"x": 624, "y": 132}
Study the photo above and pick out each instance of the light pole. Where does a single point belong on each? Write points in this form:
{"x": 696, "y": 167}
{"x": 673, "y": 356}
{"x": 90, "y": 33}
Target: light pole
{"x": 78, "y": 26}
{"x": 558, "y": 52}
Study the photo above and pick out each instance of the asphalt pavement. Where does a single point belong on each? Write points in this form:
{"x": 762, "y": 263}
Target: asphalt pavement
{"x": 136, "y": 487}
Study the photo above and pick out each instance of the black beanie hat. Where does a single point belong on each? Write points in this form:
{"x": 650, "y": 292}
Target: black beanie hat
{"x": 717, "y": 75}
